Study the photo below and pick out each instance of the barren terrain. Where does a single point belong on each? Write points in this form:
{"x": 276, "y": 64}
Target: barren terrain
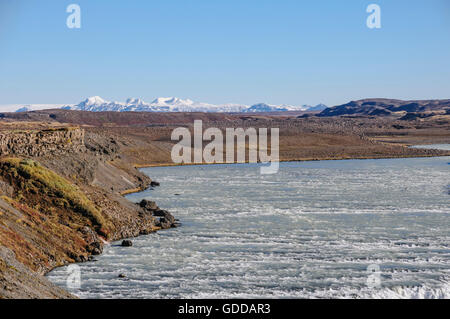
{"x": 63, "y": 174}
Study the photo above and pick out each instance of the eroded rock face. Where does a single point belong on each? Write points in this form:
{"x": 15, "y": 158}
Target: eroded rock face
{"x": 42, "y": 143}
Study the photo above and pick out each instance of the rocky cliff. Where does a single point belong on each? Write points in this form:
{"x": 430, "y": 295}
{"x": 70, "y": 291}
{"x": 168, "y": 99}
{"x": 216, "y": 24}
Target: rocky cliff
{"x": 42, "y": 142}
{"x": 60, "y": 202}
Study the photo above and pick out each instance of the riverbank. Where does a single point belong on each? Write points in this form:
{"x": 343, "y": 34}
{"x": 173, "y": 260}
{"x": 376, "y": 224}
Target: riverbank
{"x": 57, "y": 210}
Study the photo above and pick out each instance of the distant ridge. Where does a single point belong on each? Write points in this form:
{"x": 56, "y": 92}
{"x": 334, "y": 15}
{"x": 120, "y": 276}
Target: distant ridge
{"x": 317, "y": 108}
{"x": 387, "y": 107}
{"x": 24, "y": 109}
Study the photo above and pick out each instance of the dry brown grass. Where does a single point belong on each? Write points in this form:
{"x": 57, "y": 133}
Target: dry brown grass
{"x": 34, "y": 179}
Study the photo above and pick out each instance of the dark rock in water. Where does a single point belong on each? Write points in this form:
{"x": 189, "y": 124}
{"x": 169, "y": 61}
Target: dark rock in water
{"x": 154, "y": 184}
{"x": 95, "y": 248}
{"x": 79, "y": 258}
{"x": 148, "y": 205}
{"x": 166, "y": 221}
{"x": 96, "y": 251}
{"x": 165, "y": 214}
{"x": 122, "y": 276}
{"x": 127, "y": 243}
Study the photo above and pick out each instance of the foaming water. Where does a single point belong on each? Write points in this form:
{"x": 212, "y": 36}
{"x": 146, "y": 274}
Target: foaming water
{"x": 310, "y": 231}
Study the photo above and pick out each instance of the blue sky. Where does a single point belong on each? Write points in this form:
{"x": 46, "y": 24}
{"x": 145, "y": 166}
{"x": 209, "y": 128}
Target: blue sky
{"x": 292, "y": 52}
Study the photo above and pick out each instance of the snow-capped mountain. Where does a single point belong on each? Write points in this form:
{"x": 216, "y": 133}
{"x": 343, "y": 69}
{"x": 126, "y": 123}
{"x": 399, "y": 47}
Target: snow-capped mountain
{"x": 162, "y": 104}
{"x": 173, "y": 104}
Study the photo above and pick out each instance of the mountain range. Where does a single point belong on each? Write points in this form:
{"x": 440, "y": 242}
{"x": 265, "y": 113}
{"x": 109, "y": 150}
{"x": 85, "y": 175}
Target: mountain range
{"x": 173, "y": 104}
{"x": 365, "y": 107}
{"x": 389, "y": 107}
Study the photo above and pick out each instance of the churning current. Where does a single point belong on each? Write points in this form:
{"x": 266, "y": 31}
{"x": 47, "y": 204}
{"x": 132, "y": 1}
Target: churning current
{"x": 327, "y": 229}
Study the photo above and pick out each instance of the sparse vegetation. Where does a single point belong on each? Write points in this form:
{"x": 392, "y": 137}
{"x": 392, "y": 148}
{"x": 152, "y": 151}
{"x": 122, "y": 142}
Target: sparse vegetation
{"x": 32, "y": 178}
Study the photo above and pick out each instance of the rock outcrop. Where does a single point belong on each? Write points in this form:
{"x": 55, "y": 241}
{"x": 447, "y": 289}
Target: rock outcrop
{"x": 41, "y": 143}
{"x": 127, "y": 243}
{"x": 165, "y": 220}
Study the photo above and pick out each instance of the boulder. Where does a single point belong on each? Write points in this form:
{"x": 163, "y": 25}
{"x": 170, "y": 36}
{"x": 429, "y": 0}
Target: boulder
{"x": 148, "y": 205}
{"x": 165, "y": 214}
{"x": 166, "y": 219}
{"x": 127, "y": 243}
{"x": 95, "y": 248}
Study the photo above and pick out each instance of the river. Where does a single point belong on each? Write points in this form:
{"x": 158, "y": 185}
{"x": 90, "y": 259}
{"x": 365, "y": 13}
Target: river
{"x": 325, "y": 229}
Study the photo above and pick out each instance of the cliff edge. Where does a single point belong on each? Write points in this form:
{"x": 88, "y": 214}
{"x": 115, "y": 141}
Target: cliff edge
{"x": 60, "y": 201}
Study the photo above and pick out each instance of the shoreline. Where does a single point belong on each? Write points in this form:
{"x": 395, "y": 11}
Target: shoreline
{"x": 139, "y": 166}
{"x": 107, "y": 242}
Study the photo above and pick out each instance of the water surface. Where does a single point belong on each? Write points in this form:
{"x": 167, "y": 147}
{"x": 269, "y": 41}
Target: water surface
{"x": 445, "y": 147}
{"x": 310, "y": 231}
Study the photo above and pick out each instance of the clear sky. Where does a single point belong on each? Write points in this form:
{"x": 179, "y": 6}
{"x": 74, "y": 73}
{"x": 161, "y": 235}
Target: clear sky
{"x": 227, "y": 51}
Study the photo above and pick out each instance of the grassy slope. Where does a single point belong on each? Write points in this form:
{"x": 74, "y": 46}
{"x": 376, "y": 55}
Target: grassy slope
{"x": 42, "y": 223}
{"x": 48, "y": 190}
{"x": 47, "y": 221}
